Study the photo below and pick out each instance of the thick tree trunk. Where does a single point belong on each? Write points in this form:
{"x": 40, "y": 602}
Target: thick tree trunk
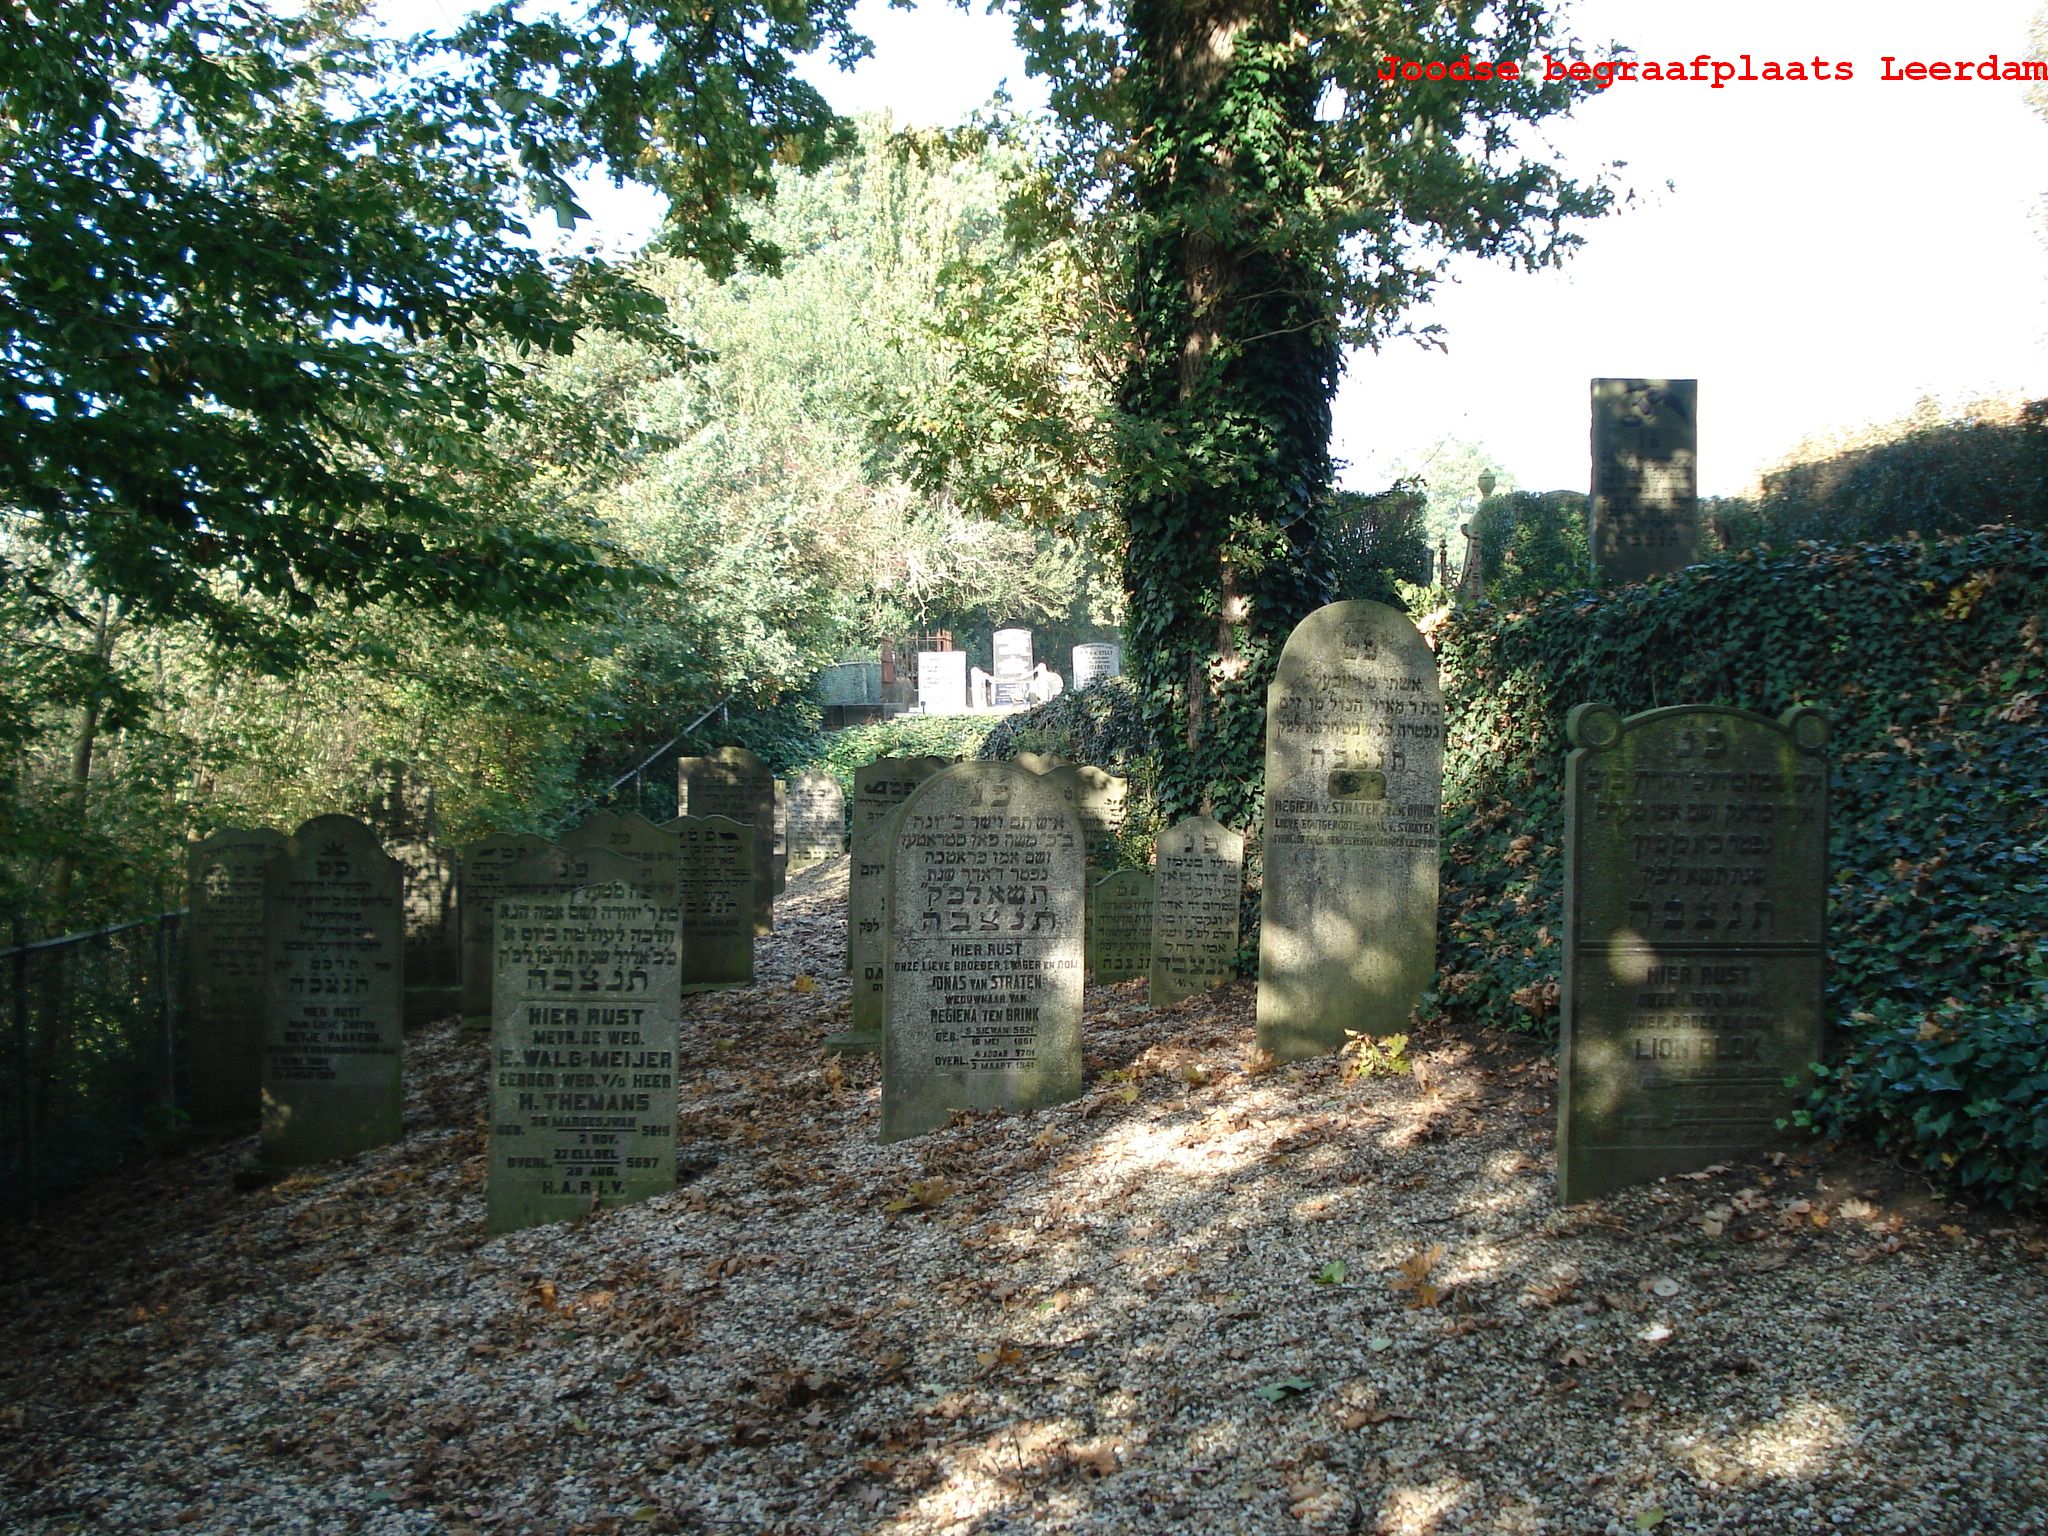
{"x": 1231, "y": 377}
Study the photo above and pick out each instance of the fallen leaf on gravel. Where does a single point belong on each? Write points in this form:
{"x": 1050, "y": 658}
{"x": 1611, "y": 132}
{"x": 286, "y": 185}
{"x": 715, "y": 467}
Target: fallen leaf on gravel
{"x": 1004, "y": 1354}
{"x": 805, "y": 984}
{"x": 923, "y": 1195}
{"x": 1279, "y": 1391}
{"x": 1858, "y": 1210}
{"x": 1637, "y": 1399}
{"x": 1332, "y": 1273}
{"x": 1414, "y": 1276}
{"x": 1101, "y": 1459}
{"x": 1656, "y": 1333}
{"x": 1650, "y": 1519}
{"x": 1571, "y": 1357}
{"x": 1551, "y": 1295}
{"x": 1259, "y": 1063}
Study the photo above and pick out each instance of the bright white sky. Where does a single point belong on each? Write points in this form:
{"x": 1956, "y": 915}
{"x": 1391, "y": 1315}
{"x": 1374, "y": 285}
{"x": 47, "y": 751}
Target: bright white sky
{"x": 1829, "y": 252}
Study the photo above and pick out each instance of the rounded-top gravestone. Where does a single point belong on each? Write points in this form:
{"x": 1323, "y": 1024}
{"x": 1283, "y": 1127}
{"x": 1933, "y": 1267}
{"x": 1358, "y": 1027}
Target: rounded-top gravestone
{"x": 1354, "y": 789}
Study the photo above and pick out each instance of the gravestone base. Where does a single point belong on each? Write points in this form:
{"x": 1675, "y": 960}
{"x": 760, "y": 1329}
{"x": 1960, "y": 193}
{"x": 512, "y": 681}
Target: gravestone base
{"x": 853, "y": 1043}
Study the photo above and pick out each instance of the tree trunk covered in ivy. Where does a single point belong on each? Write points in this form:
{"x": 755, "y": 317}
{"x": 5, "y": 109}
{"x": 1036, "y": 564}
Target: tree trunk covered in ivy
{"x": 1234, "y": 362}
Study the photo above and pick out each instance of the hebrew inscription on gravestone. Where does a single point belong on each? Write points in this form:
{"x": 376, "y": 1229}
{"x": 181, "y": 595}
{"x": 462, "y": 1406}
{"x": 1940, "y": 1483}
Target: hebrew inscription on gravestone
{"x": 1200, "y": 873}
{"x": 732, "y": 782}
{"x": 1120, "y": 926}
{"x": 1646, "y": 511}
{"x": 335, "y": 936}
{"x": 817, "y": 819}
{"x": 1696, "y": 915}
{"x": 868, "y": 938}
{"x": 1354, "y": 786}
{"x": 878, "y": 789}
{"x": 225, "y": 970}
{"x": 985, "y": 953}
{"x": 583, "y": 1054}
{"x": 715, "y": 857}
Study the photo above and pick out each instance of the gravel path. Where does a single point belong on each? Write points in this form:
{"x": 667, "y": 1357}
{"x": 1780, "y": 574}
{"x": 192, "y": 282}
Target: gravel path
{"x": 1200, "y": 1299}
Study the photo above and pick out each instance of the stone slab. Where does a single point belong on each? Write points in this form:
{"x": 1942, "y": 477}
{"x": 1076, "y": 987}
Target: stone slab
{"x": 817, "y": 819}
{"x": 1120, "y": 925}
{"x": 583, "y": 1054}
{"x": 715, "y": 856}
{"x": 878, "y": 788}
{"x": 1354, "y": 791}
{"x": 226, "y": 970}
{"x": 985, "y": 949}
{"x": 1695, "y": 945}
{"x": 481, "y": 872}
{"x": 1646, "y": 511}
{"x": 1199, "y": 867}
{"x": 732, "y": 782}
{"x": 334, "y": 925}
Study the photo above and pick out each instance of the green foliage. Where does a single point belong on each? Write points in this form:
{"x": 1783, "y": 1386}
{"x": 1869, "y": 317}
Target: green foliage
{"x": 1961, "y": 1093}
{"x": 1374, "y": 543}
{"x": 1098, "y": 724}
{"x": 1370, "y": 1057}
{"x": 1532, "y": 543}
{"x": 839, "y": 753}
{"x": 1928, "y": 657}
{"x": 1930, "y": 473}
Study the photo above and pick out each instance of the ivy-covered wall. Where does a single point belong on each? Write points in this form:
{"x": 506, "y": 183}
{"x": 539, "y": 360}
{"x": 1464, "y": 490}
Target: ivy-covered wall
{"x": 1929, "y": 658}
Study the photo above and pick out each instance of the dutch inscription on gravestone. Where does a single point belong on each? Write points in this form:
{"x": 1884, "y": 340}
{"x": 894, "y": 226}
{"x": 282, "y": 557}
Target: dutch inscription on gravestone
{"x": 732, "y": 782}
{"x": 715, "y": 859}
{"x": 1095, "y": 662}
{"x": 1354, "y": 786}
{"x": 335, "y": 936}
{"x": 985, "y": 950}
{"x": 225, "y": 970}
{"x": 1696, "y": 920}
{"x": 1120, "y": 926}
{"x": 942, "y": 682}
{"x": 482, "y": 875}
{"x": 1645, "y": 513}
{"x": 817, "y": 820}
{"x": 583, "y": 1054}
{"x": 1200, "y": 872}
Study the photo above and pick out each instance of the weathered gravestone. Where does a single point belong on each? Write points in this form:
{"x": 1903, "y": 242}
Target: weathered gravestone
{"x": 225, "y": 971}
{"x": 583, "y": 1054}
{"x": 781, "y": 862}
{"x": 1696, "y": 924}
{"x": 985, "y": 952}
{"x": 736, "y": 784}
{"x": 482, "y": 874}
{"x": 1645, "y": 512}
{"x": 817, "y": 820}
{"x": 1120, "y": 925}
{"x": 334, "y": 920}
{"x": 867, "y": 938}
{"x": 433, "y": 931}
{"x": 878, "y": 789}
{"x": 1100, "y": 797}
{"x": 1200, "y": 872}
{"x": 1354, "y": 784}
{"x": 651, "y": 850}
{"x": 1040, "y": 762}
{"x": 715, "y": 896}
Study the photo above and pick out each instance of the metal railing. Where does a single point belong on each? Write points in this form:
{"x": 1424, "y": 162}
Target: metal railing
{"x": 635, "y": 776}
{"x": 90, "y": 1077}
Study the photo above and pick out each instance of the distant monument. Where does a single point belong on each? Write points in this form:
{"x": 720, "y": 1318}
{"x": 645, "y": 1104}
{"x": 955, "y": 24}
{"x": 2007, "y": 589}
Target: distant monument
{"x": 1645, "y": 513}
{"x": 942, "y": 682}
{"x": 225, "y": 970}
{"x": 1096, "y": 661}
{"x": 1354, "y": 790}
{"x": 1696, "y": 843}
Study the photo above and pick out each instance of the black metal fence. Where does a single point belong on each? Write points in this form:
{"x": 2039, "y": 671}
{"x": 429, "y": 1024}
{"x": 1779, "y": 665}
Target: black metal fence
{"x": 89, "y": 1077}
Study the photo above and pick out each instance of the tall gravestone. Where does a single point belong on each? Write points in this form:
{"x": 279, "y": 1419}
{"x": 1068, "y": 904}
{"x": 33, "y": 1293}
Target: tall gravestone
{"x": 1199, "y": 868}
{"x": 817, "y": 819}
{"x": 583, "y": 1054}
{"x": 732, "y": 782}
{"x": 1646, "y": 511}
{"x": 334, "y": 918}
{"x": 1011, "y": 655}
{"x": 867, "y": 939}
{"x": 878, "y": 788}
{"x": 942, "y": 682}
{"x": 481, "y": 875}
{"x": 1354, "y": 788}
{"x": 433, "y": 930}
{"x": 1696, "y": 924}
{"x": 715, "y": 897}
{"x": 225, "y": 971}
{"x": 985, "y": 951}
{"x": 1120, "y": 911}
